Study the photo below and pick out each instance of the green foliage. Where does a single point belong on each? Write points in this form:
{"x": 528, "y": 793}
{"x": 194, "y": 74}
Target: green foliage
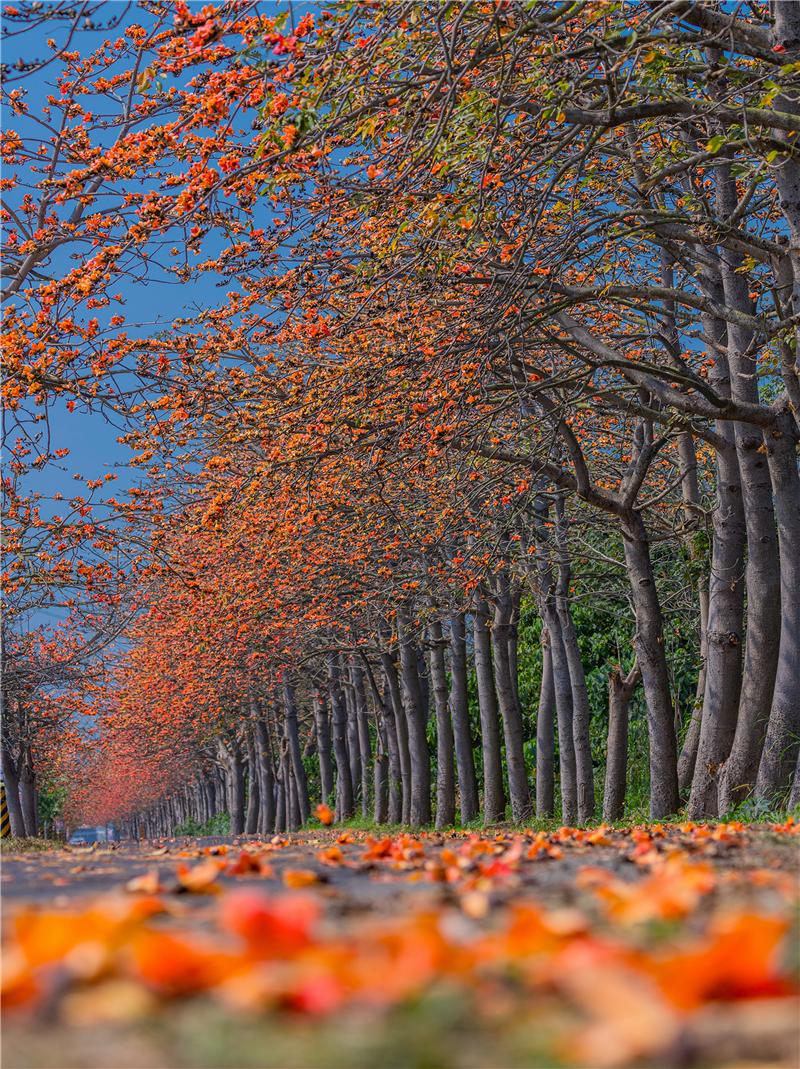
{"x": 51, "y": 801}
{"x": 605, "y": 629}
{"x": 220, "y": 824}
{"x": 761, "y": 810}
{"x": 311, "y": 766}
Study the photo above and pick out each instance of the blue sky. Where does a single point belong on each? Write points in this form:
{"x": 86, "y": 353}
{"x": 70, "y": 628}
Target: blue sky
{"x": 149, "y": 307}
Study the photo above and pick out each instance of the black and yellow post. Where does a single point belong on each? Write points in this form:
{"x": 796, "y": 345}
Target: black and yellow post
{"x": 5, "y": 822}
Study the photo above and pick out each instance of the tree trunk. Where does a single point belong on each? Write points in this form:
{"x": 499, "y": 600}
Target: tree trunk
{"x": 395, "y": 770}
{"x": 649, "y": 643}
{"x": 445, "y": 753}
{"x": 295, "y": 753}
{"x": 353, "y": 747}
{"x": 794, "y": 795}
{"x": 545, "y": 742}
{"x": 693, "y": 517}
{"x": 459, "y": 714}
{"x": 364, "y": 745}
{"x": 386, "y": 734}
{"x": 344, "y": 784}
{"x": 581, "y": 714}
{"x": 494, "y": 804}
{"x": 620, "y": 692}
{"x": 518, "y": 789}
{"x": 784, "y": 722}
{"x": 294, "y": 817}
{"x": 691, "y": 741}
{"x": 234, "y": 775}
{"x": 513, "y": 647}
{"x": 763, "y": 564}
{"x": 723, "y": 636}
{"x": 27, "y": 793}
{"x": 395, "y": 700}
{"x": 266, "y": 818}
{"x": 727, "y": 546}
{"x": 416, "y": 719}
{"x": 323, "y": 729}
{"x": 280, "y": 800}
{"x": 253, "y": 787}
{"x": 783, "y": 730}
{"x": 562, "y": 681}
{"x": 424, "y": 685}
{"x": 380, "y": 788}
{"x": 562, "y": 685}
{"x": 11, "y": 779}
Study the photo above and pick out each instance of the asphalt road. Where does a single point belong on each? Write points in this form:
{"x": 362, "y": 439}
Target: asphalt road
{"x": 59, "y": 877}
{"x": 67, "y": 1027}
{"x": 75, "y": 872}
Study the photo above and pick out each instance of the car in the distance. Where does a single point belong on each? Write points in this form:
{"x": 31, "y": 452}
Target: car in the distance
{"x": 102, "y": 833}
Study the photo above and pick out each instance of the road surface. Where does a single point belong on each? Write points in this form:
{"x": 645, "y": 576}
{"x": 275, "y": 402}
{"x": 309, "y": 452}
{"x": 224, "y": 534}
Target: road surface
{"x": 111, "y": 950}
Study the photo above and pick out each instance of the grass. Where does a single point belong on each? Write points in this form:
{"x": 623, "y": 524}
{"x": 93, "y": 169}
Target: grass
{"x": 13, "y": 844}
{"x": 751, "y": 812}
{"x": 217, "y": 825}
{"x": 435, "y": 1031}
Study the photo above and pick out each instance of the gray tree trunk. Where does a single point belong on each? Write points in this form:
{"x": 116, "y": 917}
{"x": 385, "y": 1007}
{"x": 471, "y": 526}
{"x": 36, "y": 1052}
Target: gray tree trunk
{"x": 266, "y": 818}
{"x": 280, "y": 799}
{"x": 11, "y": 779}
{"x": 691, "y": 741}
{"x": 416, "y": 719}
{"x": 253, "y": 787}
{"x": 723, "y": 636}
{"x": 344, "y": 784}
{"x": 778, "y": 759}
{"x": 364, "y": 744}
{"x": 294, "y": 816}
{"x": 295, "y": 753}
{"x": 649, "y": 643}
{"x": 620, "y": 692}
{"x": 783, "y": 731}
{"x": 459, "y": 714}
{"x": 395, "y": 699}
{"x": 380, "y": 788}
{"x": 27, "y": 796}
{"x": 323, "y": 730}
{"x": 445, "y": 750}
{"x": 353, "y": 747}
{"x": 581, "y": 714}
{"x": 721, "y": 640}
{"x": 794, "y": 794}
{"x": 692, "y": 510}
{"x": 545, "y": 741}
{"x": 388, "y": 746}
{"x": 562, "y": 680}
{"x": 234, "y": 776}
{"x": 763, "y": 564}
{"x": 518, "y": 788}
{"x": 513, "y": 647}
{"x": 494, "y": 805}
